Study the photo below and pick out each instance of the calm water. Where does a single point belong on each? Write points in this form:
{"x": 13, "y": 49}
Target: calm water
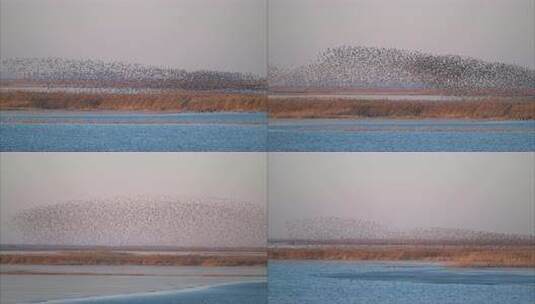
{"x": 132, "y": 284}
{"x": 399, "y": 283}
{"x": 62, "y": 131}
{"x": 400, "y": 135}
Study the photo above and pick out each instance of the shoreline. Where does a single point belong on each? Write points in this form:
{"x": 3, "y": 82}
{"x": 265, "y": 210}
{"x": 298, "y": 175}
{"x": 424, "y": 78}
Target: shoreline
{"x": 485, "y": 109}
{"x": 120, "y": 274}
{"x": 357, "y": 108}
{"x": 456, "y": 256}
{"x": 449, "y": 255}
{"x": 115, "y": 112}
{"x": 269, "y": 116}
{"x": 152, "y": 294}
{"x": 178, "y": 102}
{"x": 125, "y": 258}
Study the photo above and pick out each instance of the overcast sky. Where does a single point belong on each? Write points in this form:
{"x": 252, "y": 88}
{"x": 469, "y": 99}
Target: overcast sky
{"x": 40, "y": 179}
{"x": 480, "y": 191}
{"x": 494, "y": 30}
{"x": 224, "y": 35}
{"x": 231, "y": 35}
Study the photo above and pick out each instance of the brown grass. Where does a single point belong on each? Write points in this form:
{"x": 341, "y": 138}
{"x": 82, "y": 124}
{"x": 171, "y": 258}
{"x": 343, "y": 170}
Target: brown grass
{"x": 460, "y": 256}
{"x": 116, "y": 258}
{"x": 176, "y": 101}
{"x": 498, "y": 109}
{"x": 403, "y": 91}
{"x": 484, "y": 256}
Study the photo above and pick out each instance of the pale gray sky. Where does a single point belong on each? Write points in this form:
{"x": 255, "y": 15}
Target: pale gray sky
{"x": 480, "y": 191}
{"x": 493, "y": 30}
{"x": 226, "y": 35}
{"x": 40, "y": 179}
{"x": 230, "y": 35}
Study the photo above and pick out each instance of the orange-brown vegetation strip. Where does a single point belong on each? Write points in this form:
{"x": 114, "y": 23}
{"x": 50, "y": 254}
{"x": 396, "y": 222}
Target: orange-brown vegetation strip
{"x": 129, "y": 274}
{"x": 401, "y": 91}
{"x": 113, "y": 258}
{"x": 452, "y": 255}
{"x": 179, "y": 101}
{"x": 497, "y": 108}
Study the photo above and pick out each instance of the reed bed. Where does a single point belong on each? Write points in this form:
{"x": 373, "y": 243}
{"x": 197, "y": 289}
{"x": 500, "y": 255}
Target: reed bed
{"x": 460, "y": 256}
{"x": 498, "y": 108}
{"x": 117, "y": 258}
{"x": 174, "y": 101}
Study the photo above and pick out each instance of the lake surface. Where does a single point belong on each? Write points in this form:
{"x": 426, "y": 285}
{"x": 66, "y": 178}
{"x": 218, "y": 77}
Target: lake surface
{"x": 400, "y": 283}
{"x": 132, "y": 284}
{"x": 89, "y": 132}
{"x": 236, "y": 132}
{"x": 383, "y": 135}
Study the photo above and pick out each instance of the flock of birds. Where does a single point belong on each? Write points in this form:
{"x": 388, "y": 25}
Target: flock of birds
{"x": 362, "y": 231}
{"x": 209, "y": 222}
{"x": 97, "y": 73}
{"x": 341, "y": 67}
{"x": 219, "y": 223}
{"x": 370, "y": 67}
{"x": 144, "y": 221}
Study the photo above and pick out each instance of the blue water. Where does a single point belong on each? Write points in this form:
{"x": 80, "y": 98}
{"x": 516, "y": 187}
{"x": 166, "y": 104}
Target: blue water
{"x": 400, "y": 135}
{"x": 68, "y": 132}
{"x": 320, "y": 282}
{"x": 240, "y": 293}
{"x": 89, "y": 131}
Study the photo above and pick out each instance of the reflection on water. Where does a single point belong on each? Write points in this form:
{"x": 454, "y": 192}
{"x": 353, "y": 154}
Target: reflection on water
{"x": 159, "y": 284}
{"x": 400, "y": 135}
{"x": 400, "y": 283}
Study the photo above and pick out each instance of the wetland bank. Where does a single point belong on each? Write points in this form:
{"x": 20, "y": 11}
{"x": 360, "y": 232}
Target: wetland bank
{"x": 136, "y": 232}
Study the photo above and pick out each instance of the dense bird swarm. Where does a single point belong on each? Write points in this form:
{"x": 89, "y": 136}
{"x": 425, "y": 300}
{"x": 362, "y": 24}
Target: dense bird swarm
{"x": 350, "y": 229}
{"x": 370, "y": 67}
{"x": 96, "y": 73}
{"x": 145, "y": 221}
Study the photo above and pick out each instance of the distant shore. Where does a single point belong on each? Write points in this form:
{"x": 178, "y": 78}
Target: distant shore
{"x": 105, "y": 257}
{"x": 167, "y": 101}
{"x": 486, "y": 108}
{"x": 458, "y": 256}
{"x": 451, "y": 255}
{"x": 281, "y": 107}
